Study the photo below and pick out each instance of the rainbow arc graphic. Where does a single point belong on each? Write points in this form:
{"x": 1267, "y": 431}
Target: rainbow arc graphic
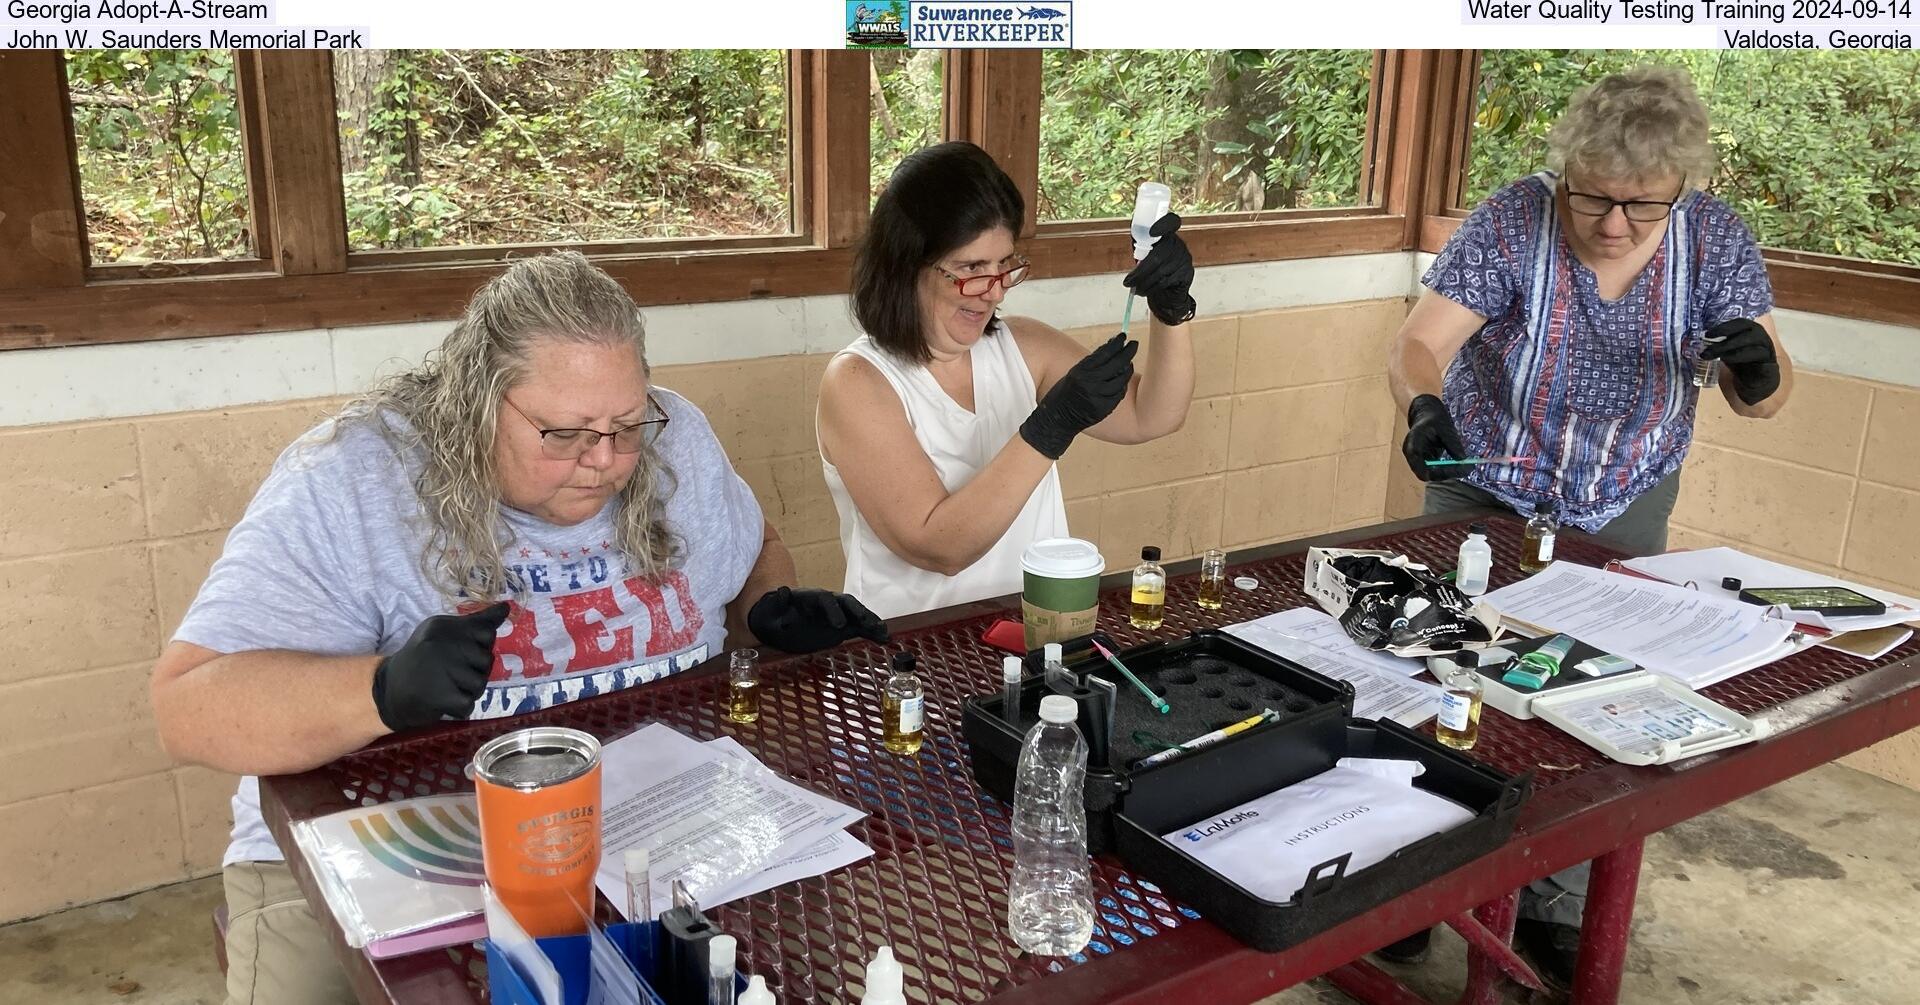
{"x": 433, "y": 840}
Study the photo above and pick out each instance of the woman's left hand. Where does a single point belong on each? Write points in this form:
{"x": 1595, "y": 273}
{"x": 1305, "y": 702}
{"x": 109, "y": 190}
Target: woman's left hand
{"x": 808, "y": 620}
{"x": 1166, "y": 274}
{"x": 1747, "y": 351}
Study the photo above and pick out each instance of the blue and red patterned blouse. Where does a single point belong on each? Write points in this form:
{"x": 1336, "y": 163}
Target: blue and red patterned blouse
{"x": 1596, "y": 390}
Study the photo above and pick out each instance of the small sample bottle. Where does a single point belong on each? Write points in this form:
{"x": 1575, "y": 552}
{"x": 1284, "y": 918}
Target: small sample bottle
{"x": 1460, "y": 699}
{"x": 1475, "y": 563}
{"x": 1055, "y": 668}
{"x": 1536, "y": 543}
{"x": 886, "y": 983}
{"x": 1150, "y": 203}
{"x": 902, "y": 707}
{"x": 1149, "y": 590}
{"x": 743, "y": 686}
{"x": 1213, "y": 580}
{"x": 720, "y": 960}
{"x": 1706, "y": 372}
{"x": 756, "y": 992}
{"x": 1011, "y": 671}
{"x": 639, "y": 885}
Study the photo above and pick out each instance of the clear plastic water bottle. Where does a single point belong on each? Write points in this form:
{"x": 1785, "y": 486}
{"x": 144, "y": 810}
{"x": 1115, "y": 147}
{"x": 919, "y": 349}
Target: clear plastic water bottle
{"x": 1050, "y": 901}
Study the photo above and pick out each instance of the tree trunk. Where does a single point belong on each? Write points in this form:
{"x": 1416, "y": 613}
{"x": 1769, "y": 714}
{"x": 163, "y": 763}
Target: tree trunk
{"x": 879, "y": 98}
{"x": 357, "y": 75}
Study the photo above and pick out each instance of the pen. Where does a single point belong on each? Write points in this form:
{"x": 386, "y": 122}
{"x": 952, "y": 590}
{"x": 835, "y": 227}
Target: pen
{"x": 1207, "y": 739}
{"x": 1160, "y": 704}
{"x": 1514, "y": 459}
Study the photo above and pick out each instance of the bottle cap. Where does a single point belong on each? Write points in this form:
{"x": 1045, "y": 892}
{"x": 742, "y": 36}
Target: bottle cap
{"x": 1467, "y": 658}
{"x": 1150, "y": 553}
{"x": 720, "y": 953}
{"x": 1478, "y": 528}
{"x": 1730, "y": 583}
{"x": 902, "y": 661}
{"x": 1052, "y": 651}
{"x": 1059, "y": 708}
{"x": 756, "y": 992}
{"x": 1011, "y": 669}
{"x": 636, "y": 860}
{"x": 1246, "y": 583}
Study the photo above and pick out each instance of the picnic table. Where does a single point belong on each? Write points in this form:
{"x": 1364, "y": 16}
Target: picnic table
{"x": 935, "y": 888}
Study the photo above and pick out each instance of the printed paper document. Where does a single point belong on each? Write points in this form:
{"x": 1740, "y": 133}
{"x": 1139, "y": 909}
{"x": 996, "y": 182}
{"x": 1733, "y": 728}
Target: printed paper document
{"x": 1382, "y": 688}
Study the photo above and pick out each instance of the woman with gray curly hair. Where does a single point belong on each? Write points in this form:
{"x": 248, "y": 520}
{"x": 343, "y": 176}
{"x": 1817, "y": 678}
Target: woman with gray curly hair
{"x": 523, "y": 521}
{"x": 1567, "y": 315}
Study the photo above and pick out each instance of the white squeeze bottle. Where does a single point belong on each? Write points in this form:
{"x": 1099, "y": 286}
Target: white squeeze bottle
{"x": 1050, "y": 897}
{"x": 756, "y": 992}
{"x": 1476, "y": 562}
{"x": 1149, "y": 205}
{"x": 886, "y": 984}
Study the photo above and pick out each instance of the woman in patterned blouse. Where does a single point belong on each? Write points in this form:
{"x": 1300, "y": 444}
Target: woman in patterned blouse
{"x": 1567, "y": 314}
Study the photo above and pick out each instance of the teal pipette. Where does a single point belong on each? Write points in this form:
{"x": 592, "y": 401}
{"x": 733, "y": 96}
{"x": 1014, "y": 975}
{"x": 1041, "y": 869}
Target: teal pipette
{"x": 1127, "y": 317}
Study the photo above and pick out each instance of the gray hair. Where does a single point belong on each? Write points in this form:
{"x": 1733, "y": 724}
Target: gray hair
{"x": 450, "y": 408}
{"x": 1641, "y": 123}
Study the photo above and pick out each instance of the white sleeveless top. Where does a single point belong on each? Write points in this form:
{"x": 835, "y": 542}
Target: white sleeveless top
{"x": 959, "y": 443}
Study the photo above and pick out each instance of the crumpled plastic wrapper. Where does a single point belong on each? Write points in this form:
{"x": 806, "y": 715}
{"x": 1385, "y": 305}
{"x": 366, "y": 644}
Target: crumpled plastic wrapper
{"x": 1401, "y": 607}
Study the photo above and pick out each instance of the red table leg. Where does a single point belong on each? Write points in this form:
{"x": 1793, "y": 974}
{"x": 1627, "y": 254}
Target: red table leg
{"x": 1367, "y": 983}
{"x": 1605, "y": 925}
{"x": 1490, "y": 956}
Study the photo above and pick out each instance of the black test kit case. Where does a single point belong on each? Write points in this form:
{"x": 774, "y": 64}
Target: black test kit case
{"x": 1212, "y": 679}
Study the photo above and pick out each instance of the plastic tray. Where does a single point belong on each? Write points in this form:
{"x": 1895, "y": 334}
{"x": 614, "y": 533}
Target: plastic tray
{"x": 1159, "y": 804}
{"x": 570, "y": 956}
{"x": 1210, "y": 679}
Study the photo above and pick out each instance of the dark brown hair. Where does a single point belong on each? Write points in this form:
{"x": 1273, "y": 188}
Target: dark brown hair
{"x": 938, "y": 199}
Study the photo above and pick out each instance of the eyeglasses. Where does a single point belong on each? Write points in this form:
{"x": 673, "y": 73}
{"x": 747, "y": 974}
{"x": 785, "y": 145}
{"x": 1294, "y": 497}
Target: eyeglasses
{"x": 572, "y": 444}
{"x": 1637, "y": 210}
{"x": 977, "y": 286}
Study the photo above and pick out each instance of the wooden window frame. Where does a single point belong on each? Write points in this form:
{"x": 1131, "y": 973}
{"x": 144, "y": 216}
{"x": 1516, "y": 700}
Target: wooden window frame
{"x": 1887, "y": 292}
{"x": 1420, "y": 113}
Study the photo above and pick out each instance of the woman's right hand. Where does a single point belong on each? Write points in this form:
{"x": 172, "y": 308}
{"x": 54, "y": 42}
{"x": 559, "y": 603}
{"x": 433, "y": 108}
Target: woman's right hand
{"x": 440, "y": 671}
{"x": 1088, "y": 393}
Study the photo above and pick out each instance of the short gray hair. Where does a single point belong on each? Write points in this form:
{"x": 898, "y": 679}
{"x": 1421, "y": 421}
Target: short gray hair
{"x": 1641, "y": 123}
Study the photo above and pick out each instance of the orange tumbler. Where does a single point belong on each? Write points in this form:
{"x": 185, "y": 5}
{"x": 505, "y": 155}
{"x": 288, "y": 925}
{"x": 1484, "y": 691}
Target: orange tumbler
{"x": 538, "y": 792}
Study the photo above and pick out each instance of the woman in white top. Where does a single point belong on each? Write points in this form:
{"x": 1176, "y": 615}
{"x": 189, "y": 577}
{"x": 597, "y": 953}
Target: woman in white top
{"x": 939, "y": 427}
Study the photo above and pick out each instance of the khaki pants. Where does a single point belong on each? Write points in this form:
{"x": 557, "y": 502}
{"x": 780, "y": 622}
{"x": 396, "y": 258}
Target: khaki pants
{"x": 277, "y": 954}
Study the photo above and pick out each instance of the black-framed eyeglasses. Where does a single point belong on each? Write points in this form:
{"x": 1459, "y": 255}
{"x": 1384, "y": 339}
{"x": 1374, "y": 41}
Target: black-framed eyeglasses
{"x": 1637, "y": 210}
{"x": 570, "y": 444}
{"x": 977, "y": 286}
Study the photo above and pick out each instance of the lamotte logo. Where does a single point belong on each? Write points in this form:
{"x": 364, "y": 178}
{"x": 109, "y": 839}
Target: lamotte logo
{"x": 990, "y": 24}
{"x": 872, "y": 24}
{"x": 1219, "y": 826}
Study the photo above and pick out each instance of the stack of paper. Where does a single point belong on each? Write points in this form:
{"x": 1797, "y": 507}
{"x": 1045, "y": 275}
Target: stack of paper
{"x": 713, "y": 817}
{"x": 1691, "y": 636}
{"x": 1706, "y": 567}
{"x": 1382, "y": 684}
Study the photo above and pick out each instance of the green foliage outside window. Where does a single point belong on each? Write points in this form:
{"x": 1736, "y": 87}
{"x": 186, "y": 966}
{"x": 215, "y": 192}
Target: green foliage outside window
{"x": 906, "y": 110}
{"x": 162, "y": 174}
{"x": 1818, "y": 151}
{"x": 459, "y": 147}
{"x": 1235, "y": 129}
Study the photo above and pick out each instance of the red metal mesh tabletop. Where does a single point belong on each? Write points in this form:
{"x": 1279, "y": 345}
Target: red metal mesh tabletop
{"x": 935, "y": 888}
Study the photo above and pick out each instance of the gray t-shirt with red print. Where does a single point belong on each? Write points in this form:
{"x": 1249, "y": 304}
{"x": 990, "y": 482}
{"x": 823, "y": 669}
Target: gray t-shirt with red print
{"x": 327, "y": 560}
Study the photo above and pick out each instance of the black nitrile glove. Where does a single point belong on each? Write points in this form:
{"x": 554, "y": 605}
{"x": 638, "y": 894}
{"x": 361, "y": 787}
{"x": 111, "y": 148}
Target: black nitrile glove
{"x": 1747, "y": 351}
{"x": 1432, "y": 437}
{"x": 1166, "y": 274}
{"x": 807, "y": 620}
{"x": 441, "y": 670}
{"x": 1088, "y": 393}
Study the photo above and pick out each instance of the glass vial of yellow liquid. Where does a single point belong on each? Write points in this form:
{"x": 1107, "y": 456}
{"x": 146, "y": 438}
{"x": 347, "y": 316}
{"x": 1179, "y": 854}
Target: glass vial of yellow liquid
{"x": 1149, "y": 590}
{"x": 743, "y": 686}
{"x": 1536, "y": 543}
{"x": 902, "y": 707}
{"x": 1460, "y": 699}
{"x": 1213, "y": 580}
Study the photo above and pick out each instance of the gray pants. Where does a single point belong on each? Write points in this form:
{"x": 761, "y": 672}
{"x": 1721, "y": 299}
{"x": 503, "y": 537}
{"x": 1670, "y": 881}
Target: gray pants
{"x": 1641, "y": 530}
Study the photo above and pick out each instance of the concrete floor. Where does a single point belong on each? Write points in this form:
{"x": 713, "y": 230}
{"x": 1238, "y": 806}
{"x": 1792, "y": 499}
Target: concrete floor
{"x": 1805, "y": 894}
